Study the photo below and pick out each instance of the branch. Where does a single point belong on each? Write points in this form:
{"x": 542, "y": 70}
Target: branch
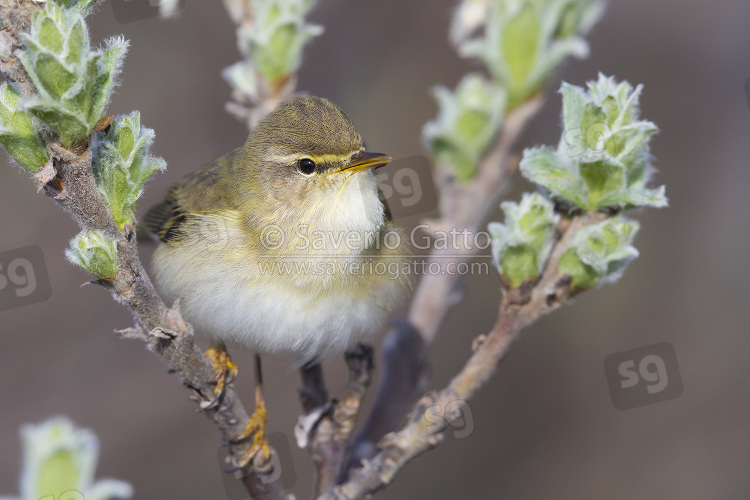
{"x": 405, "y": 373}
{"x": 518, "y": 309}
{"x": 462, "y": 206}
{"x": 465, "y": 206}
{"x": 251, "y": 106}
{"x": 163, "y": 330}
{"x": 326, "y": 427}
{"x": 68, "y": 179}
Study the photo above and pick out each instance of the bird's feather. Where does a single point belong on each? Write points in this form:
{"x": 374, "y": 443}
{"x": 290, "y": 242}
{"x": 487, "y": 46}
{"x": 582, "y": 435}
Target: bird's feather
{"x": 193, "y": 195}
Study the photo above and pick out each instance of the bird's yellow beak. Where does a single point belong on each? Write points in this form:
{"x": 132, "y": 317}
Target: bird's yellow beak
{"x": 366, "y": 161}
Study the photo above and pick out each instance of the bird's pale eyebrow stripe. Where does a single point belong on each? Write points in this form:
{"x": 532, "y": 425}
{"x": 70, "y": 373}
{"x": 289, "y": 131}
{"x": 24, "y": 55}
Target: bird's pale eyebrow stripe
{"x": 279, "y": 158}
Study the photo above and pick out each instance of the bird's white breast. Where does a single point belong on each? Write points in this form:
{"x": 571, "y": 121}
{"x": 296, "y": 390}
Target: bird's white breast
{"x": 296, "y": 303}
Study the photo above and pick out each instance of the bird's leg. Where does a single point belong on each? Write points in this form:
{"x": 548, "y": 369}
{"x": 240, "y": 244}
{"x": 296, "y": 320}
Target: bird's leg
{"x": 226, "y": 370}
{"x": 256, "y": 427}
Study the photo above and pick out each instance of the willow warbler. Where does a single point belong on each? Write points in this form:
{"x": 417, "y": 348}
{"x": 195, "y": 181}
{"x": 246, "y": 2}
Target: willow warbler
{"x": 284, "y": 245}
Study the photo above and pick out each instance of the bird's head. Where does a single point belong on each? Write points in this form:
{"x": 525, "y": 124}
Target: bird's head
{"x": 305, "y": 163}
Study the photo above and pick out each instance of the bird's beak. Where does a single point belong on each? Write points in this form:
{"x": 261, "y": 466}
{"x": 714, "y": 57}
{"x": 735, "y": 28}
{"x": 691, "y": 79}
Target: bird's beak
{"x": 366, "y": 161}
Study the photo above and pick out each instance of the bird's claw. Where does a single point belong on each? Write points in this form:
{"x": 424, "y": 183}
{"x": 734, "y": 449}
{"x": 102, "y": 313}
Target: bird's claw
{"x": 256, "y": 429}
{"x": 226, "y": 371}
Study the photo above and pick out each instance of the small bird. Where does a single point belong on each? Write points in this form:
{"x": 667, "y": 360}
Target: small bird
{"x": 282, "y": 246}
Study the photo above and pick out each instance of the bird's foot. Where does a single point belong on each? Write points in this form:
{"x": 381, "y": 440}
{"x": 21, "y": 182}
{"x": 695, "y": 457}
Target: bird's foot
{"x": 226, "y": 371}
{"x": 256, "y": 429}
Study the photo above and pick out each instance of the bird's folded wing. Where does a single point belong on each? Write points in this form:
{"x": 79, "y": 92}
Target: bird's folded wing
{"x": 192, "y": 196}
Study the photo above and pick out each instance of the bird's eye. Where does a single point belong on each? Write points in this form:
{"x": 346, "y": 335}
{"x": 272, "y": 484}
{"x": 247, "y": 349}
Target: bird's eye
{"x": 306, "y": 166}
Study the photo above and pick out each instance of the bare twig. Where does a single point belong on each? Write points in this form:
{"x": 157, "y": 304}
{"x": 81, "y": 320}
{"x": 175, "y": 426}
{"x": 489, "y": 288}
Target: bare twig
{"x": 463, "y": 206}
{"x": 270, "y": 94}
{"x": 326, "y": 430}
{"x": 405, "y": 373}
{"x": 250, "y": 109}
{"x": 517, "y": 311}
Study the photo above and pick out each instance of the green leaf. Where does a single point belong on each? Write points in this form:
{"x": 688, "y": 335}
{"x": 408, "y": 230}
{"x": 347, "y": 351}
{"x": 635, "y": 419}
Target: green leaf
{"x": 53, "y": 75}
{"x": 548, "y": 169}
{"x": 50, "y": 36}
{"x": 524, "y": 41}
{"x": 59, "y": 460}
{"x": 574, "y": 103}
{"x": 471, "y": 122}
{"x": 28, "y": 154}
{"x": 241, "y": 76}
{"x": 630, "y": 142}
{"x": 58, "y": 474}
{"x": 519, "y": 263}
{"x": 96, "y": 253}
{"x": 600, "y": 253}
{"x": 467, "y": 122}
{"x": 601, "y": 177}
{"x": 68, "y": 126}
{"x": 521, "y": 246}
{"x": 277, "y": 36}
{"x": 103, "y": 69}
{"x": 521, "y": 40}
{"x": 77, "y": 43}
{"x": 18, "y": 133}
{"x": 83, "y": 6}
{"x": 74, "y": 82}
{"x": 273, "y": 42}
{"x": 273, "y": 59}
{"x": 123, "y": 164}
{"x": 583, "y": 276}
{"x": 570, "y": 20}
{"x": 602, "y": 159}
{"x": 633, "y": 198}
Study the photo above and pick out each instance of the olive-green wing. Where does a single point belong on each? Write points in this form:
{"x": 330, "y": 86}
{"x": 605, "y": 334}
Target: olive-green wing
{"x": 164, "y": 219}
{"x": 191, "y": 196}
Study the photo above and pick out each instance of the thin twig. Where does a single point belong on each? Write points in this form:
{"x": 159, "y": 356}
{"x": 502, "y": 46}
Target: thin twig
{"x": 250, "y": 109}
{"x": 405, "y": 372}
{"x": 463, "y": 206}
{"x": 163, "y": 329}
{"x": 326, "y": 430}
{"x": 517, "y": 311}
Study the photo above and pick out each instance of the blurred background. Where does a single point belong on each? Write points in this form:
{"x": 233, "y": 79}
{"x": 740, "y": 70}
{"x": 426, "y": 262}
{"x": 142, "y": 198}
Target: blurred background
{"x": 545, "y": 425}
